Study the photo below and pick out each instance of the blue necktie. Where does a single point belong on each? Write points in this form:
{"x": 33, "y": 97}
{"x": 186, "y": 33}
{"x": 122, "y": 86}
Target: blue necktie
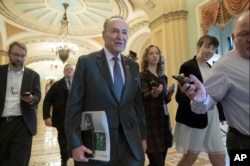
{"x": 118, "y": 83}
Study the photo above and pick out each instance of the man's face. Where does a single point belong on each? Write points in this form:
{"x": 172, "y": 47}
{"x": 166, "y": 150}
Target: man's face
{"x": 116, "y": 36}
{"x": 69, "y": 71}
{"x": 17, "y": 56}
{"x": 241, "y": 36}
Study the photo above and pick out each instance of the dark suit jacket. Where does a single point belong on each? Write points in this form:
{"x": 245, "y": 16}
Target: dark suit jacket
{"x": 56, "y": 99}
{"x": 30, "y": 83}
{"x": 184, "y": 113}
{"x": 92, "y": 90}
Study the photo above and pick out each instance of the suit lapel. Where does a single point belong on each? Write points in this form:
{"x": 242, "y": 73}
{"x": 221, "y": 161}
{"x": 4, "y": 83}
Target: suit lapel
{"x": 104, "y": 69}
{"x": 128, "y": 77}
{"x": 3, "y": 82}
{"x": 25, "y": 87}
{"x": 63, "y": 83}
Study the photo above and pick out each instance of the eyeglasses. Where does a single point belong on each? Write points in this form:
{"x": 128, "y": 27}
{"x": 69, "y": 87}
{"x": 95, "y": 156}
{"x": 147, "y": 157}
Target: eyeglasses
{"x": 16, "y": 55}
{"x": 68, "y": 69}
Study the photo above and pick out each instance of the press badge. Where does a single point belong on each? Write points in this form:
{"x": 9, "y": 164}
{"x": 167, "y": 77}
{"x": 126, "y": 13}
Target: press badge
{"x": 165, "y": 108}
{"x": 14, "y": 90}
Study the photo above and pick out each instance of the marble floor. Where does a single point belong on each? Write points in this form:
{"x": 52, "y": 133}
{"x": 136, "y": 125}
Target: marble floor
{"x": 45, "y": 150}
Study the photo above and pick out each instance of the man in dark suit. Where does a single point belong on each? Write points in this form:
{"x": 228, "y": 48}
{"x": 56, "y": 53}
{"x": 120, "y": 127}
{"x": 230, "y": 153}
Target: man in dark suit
{"x": 19, "y": 95}
{"x": 56, "y": 99}
{"x": 93, "y": 89}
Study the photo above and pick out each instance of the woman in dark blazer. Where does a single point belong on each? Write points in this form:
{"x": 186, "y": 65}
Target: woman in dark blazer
{"x": 197, "y": 132}
{"x": 156, "y": 95}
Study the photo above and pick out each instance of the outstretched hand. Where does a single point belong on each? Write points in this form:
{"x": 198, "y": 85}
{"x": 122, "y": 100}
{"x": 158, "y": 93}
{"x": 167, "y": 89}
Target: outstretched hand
{"x": 195, "y": 91}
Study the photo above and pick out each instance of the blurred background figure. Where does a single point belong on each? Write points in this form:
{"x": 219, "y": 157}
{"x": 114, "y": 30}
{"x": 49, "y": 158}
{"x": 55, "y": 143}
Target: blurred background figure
{"x": 54, "y": 108}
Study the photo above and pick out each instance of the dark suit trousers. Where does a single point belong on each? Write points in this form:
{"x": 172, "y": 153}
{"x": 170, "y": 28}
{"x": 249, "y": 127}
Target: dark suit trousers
{"x": 123, "y": 156}
{"x": 15, "y": 142}
{"x": 61, "y": 137}
{"x": 237, "y": 140}
{"x": 157, "y": 159}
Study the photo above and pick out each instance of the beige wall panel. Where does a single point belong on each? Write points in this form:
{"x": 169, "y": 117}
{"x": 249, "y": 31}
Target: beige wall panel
{"x": 3, "y": 59}
{"x": 170, "y": 34}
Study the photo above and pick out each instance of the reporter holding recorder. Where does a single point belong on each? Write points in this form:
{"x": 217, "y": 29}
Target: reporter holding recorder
{"x": 156, "y": 95}
{"x": 228, "y": 82}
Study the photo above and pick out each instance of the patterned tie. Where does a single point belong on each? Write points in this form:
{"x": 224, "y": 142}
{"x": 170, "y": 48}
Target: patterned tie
{"x": 118, "y": 83}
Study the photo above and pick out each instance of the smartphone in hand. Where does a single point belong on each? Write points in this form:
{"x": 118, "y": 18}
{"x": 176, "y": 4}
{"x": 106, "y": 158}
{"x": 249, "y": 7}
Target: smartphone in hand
{"x": 153, "y": 83}
{"x": 180, "y": 79}
{"x": 89, "y": 141}
{"x": 26, "y": 94}
{"x": 173, "y": 86}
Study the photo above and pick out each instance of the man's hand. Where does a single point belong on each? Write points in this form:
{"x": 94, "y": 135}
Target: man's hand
{"x": 78, "y": 153}
{"x": 27, "y": 98}
{"x": 48, "y": 122}
{"x": 196, "y": 91}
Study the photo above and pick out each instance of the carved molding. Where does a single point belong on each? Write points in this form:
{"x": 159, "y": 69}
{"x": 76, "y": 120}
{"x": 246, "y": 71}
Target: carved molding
{"x": 166, "y": 17}
{"x": 150, "y": 5}
{"x": 137, "y": 26}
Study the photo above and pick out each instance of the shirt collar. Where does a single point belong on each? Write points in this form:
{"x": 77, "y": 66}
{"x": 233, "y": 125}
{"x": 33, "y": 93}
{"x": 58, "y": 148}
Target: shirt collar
{"x": 67, "y": 79}
{"x": 21, "y": 71}
{"x": 109, "y": 56}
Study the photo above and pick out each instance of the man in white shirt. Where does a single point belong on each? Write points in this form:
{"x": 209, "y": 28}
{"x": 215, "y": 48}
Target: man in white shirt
{"x": 228, "y": 83}
{"x": 19, "y": 95}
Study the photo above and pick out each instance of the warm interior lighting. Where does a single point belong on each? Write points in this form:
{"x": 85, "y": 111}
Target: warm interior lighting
{"x": 64, "y": 47}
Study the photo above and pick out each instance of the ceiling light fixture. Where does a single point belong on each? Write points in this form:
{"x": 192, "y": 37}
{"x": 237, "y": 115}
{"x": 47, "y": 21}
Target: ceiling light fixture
{"x": 64, "y": 47}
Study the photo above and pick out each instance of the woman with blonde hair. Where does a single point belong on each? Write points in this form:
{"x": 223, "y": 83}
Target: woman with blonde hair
{"x": 156, "y": 95}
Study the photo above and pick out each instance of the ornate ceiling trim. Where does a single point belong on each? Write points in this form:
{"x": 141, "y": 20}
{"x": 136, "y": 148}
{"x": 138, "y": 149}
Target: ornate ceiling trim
{"x": 12, "y": 11}
{"x": 133, "y": 29}
{"x": 12, "y": 30}
{"x": 39, "y": 40}
{"x": 33, "y": 59}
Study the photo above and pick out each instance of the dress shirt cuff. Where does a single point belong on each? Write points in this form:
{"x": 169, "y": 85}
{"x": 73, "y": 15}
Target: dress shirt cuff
{"x": 202, "y": 108}
{"x": 198, "y": 108}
